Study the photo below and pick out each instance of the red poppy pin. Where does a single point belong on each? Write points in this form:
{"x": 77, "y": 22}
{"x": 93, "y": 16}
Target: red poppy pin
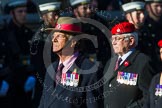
{"x": 126, "y": 63}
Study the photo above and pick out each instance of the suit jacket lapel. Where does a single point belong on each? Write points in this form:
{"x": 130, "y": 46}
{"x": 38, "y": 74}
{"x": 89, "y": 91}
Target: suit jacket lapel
{"x": 56, "y": 89}
{"x": 130, "y": 59}
{"x": 59, "y": 89}
{"x": 109, "y": 68}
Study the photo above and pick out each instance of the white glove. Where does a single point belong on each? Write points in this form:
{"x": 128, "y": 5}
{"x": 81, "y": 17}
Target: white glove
{"x": 4, "y": 88}
{"x": 30, "y": 83}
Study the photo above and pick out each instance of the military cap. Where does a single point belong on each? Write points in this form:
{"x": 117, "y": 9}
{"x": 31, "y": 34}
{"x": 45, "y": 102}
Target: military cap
{"x": 160, "y": 43}
{"x": 78, "y": 2}
{"x": 122, "y": 28}
{"x": 17, "y": 3}
{"x": 153, "y": 0}
{"x": 48, "y": 7}
{"x": 14, "y": 4}
{"x": 68, "y": 25}
{"x": 133, "y": 6}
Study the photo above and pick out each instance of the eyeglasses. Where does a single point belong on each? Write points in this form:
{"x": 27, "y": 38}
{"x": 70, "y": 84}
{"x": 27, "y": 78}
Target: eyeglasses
{"x": 117, "y": 38}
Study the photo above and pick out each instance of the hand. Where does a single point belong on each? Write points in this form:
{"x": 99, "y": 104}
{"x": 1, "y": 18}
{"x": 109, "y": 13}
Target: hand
{"x": 4, "y": 88}
{"x": 30, "y": 83}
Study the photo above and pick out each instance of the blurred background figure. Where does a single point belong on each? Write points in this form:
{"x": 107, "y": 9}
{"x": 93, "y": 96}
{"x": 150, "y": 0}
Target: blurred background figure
{"x": 85, "y": 9}
{"x": 31, "y": 6}
{"x": 18, "y": 35}
{"x": 49, "y": 13}
{"x": 81, "y": 8}
{"x": 154, "y": 18}
{"x": 5, "y": 70}
{"x": 155, "y": 92}
{"x": 153, "y": 23}
{"x": 154, "y": 9}
{"x": 134, "y": 13}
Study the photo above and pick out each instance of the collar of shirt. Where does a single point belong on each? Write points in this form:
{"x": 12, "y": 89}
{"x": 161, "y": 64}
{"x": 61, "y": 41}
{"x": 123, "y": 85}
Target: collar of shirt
{"x": 69, "y": 62}
{"x": 124, "y": 57}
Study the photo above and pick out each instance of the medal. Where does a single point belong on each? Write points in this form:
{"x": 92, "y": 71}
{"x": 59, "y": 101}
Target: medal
{"x": 160, "y": 93}
{"x": 63, "y": 79}
{"x": 119, "y": 76}
{"x": 122, "y": 78}
{"x": 67, "y": 79}
{"x": 135, "y": 79}
{"x": 131, "y": 79}
{"x": 127, "y": 78}
{"x": 72, "y": 79}
{"x": 76, "y": 80}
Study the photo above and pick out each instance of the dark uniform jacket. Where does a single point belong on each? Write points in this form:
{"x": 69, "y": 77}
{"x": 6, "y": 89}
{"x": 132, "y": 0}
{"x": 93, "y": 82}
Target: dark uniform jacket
{"x": 126, "y": 95}
{"x": 5, "y": 57}
{"x": 154, "y": 101}
{"x": 150, "y": 38}
{"x": 36, "y": 50}
{"x": 19, "y": 38}
{"x": 40, "y": 49}
{"x": 61, "y": 97}
{"x": 5, "y": 67}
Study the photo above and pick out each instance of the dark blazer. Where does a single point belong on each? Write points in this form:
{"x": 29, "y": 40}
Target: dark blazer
{"x": 128, "y": 96}
{"x": 62, "y": 97}
{"x": 154, "y": 101}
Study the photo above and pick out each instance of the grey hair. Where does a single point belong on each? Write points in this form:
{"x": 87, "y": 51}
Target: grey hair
{"x": 135, "y": 35}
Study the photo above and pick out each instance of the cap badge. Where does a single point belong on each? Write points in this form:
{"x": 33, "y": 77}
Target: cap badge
{"x": 118, "y": 30}
{"x": 58, "y": 26}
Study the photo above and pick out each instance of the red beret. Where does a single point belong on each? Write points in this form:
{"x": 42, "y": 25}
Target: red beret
{"x": 160, "y": 43}
{"x": 123, "y": 27}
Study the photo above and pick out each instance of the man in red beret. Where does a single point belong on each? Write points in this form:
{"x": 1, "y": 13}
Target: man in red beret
{"x": 155, "y": 92}
{"x": 130, "y": 71}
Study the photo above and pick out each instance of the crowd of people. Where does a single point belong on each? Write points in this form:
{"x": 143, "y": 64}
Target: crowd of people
{"x": 80, "y": 58}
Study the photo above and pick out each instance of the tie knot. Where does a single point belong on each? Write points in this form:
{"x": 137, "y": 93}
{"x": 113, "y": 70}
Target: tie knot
{"x": 119, "y": 60}
{"x": 60, "y": 67}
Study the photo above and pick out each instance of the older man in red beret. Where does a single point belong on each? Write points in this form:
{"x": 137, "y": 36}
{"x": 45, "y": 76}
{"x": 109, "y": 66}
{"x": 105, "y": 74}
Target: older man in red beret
{"x": 130, "y": 72}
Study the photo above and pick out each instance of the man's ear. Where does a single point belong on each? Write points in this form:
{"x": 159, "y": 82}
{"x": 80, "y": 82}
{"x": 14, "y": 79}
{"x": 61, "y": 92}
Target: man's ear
{"x": 132, "y": 41}
{"x": 73, "y": 43}
{"x": 76, "y": 12}
{"x": 129, "y": 17}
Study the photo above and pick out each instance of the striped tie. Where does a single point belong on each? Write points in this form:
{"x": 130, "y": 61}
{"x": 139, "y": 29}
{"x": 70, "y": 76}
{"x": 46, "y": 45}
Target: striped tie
{"x": 59, "y": 73}
{"x": 118, "y": 63}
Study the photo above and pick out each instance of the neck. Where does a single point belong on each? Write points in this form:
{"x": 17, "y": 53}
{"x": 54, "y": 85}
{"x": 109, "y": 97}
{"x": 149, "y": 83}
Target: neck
{"x": 64, "y": 57}
{"x": 155, "y": 18}
{"x": 19, "y": 25}
{"x": 161, "y": 78}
